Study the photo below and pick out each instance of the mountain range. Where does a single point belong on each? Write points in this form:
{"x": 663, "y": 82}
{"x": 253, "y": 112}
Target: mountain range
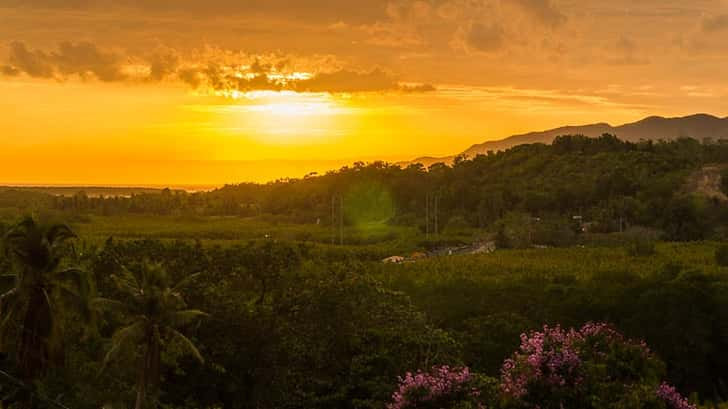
{"x": 698, "y": 126}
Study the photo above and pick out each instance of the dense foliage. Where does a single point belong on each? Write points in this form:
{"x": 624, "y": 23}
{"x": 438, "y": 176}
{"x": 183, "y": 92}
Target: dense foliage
{"x": 610, "y": 183}
{"x": 293, "y": 326}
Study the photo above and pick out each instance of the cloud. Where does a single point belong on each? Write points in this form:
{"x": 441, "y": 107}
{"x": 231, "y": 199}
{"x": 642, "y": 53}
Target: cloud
{"x": 162, "y": 63}
{"x": 84, "y": 57}
{"x": 543, "y": 10}
{"x": 715, "y": 23}
{"x": 213, "y": 70}
{"x": 9, "y": 70}
{"x": 349, "y": 81}
{"x": 342, "y": 81}
{"x": 627, "y": 53}
{"x": 485, "y": 37}
{"x": 354, "y": 11}
{"x": 34, "y": 63}
{"x": 81, "y": 59}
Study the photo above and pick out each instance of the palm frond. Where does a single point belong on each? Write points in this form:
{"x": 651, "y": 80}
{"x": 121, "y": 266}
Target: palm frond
{"x": 185, "y": 282}
{"x": 21, "y": 228}
{"x": 187, "y": 344}
{"x": 58, "y": 233}
{"x": 7, "y": 297}
{"x": 8, "y": 314}
{"x": 106, "y": 304}
{"x": 121, "y": 338}
{"x": 74, "y": 275}
{"x": 181, "y": 318}
{"x": 127, "y": 281}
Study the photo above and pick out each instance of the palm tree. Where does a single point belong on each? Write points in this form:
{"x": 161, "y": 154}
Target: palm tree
{"x": 39, "y": 293}
{"x": 154, "y": 311}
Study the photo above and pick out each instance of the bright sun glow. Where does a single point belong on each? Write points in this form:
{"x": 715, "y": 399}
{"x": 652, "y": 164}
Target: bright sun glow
{"x": 293, "y": 108}
{"x": 282, "y": 118}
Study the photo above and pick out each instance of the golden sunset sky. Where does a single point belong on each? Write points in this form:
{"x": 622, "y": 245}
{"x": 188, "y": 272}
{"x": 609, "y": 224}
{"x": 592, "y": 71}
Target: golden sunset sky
{"x": 187, "y": 92}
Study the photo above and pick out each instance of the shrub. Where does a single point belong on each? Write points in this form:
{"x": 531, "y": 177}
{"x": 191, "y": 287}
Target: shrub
{"x": 672, "y": 397}
{"x": 641, "y": 247}
{"x": 592, "y": 367}
{"x": 724, "y": 181}
{"x": 442, "y": 387}
{"x": 721, "y": 255}
{"x": 456, "y": 224}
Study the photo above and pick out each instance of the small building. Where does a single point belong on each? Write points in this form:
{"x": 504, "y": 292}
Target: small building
{"x": 393, "y": 260}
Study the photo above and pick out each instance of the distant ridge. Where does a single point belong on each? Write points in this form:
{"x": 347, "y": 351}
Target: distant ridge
{"x": 698, "y": 126}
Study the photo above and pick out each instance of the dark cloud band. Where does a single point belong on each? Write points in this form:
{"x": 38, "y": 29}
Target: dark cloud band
{"x": 86, "y": 60}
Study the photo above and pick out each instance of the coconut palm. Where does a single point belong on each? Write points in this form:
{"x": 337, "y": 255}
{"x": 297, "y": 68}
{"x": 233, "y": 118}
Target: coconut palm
{"x": 39, "y": 293}
{"x": 154, "y": 312}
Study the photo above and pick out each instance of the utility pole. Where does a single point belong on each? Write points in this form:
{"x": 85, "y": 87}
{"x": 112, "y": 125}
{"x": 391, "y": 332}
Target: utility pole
{"x": 337, "y": 220}
{"x": 341, "y": 220}
{"x": 437, "y": 214}
{"x": 333, "y": 220}
{"x": 427, "y": 215}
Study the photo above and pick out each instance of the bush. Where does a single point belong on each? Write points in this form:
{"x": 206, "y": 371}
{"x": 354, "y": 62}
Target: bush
{"x": 724, "y": 181}
{"x": 641, "y": 247}
{"x": 456, "y": 224}
{"x": 721, "y": 255}
{"x": 442, "y": 387}
{"x": 593, "y": 367}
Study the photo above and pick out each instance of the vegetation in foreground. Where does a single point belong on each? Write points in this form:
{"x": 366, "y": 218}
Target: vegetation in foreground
{"x": 287, "y": 325}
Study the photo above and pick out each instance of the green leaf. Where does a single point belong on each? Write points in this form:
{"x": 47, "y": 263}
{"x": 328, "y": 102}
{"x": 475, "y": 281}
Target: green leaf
{"x": 178, "y": 319}
{"x": 187, "y": 343}
{"x": 122, "y": 338}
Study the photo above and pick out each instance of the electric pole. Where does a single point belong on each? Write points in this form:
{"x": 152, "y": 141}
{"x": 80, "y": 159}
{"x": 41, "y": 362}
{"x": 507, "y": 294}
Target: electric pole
{"x": 333, "y": 220}
{"x": 427, "y": 215}
{"x": 437, "y": 214}
{"x": 341, "y": 220}
{"x": 337, "y": 220}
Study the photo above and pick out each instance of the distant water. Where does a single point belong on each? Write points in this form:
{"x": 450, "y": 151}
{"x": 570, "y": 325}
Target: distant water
{"x": 108, "y": 190}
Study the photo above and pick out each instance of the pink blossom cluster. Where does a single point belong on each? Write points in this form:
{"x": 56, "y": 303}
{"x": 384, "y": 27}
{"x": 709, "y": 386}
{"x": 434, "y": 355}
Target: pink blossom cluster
{"x": 600, "y": 335}
{"x": 441, "y": 382}
{"x": 550, "y": 356}
{"x": 672, "y": 397}
{"x": 553, "y": 368}
{"x": 554, "y": 356}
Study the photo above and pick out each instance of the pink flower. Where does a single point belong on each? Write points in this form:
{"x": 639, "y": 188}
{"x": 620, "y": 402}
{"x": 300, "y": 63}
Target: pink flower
{"x": 673, "y": 398}
{"x": 440, "y": 383}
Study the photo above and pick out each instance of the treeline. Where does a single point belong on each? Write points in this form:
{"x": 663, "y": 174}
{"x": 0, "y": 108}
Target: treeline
{"x": 609, "y": 183}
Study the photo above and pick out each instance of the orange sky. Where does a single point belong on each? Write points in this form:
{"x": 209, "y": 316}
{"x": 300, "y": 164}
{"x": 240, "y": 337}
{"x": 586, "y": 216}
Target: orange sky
{"x": 220, "y": 91}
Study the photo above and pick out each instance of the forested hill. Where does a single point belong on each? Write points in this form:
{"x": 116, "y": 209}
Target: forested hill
{"x": 699, "y": 126}
{"x": 608, "y": 182}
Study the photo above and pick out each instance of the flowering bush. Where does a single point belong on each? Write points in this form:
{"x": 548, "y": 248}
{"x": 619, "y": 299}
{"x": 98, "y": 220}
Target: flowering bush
{"x": 442, "y": 387}
{"x": 672, "y": 398}
{"x": 592, "y": 367}
{"x": 547, "y": 358}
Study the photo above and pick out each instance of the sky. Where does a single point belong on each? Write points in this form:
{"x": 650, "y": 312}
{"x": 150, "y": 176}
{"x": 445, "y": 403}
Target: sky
{"x": 188, "y": 92}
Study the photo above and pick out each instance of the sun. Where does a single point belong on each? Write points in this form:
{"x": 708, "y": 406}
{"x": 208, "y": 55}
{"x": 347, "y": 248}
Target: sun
{"x": 284, "y": 118}
{"x": 288, "y": 109}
